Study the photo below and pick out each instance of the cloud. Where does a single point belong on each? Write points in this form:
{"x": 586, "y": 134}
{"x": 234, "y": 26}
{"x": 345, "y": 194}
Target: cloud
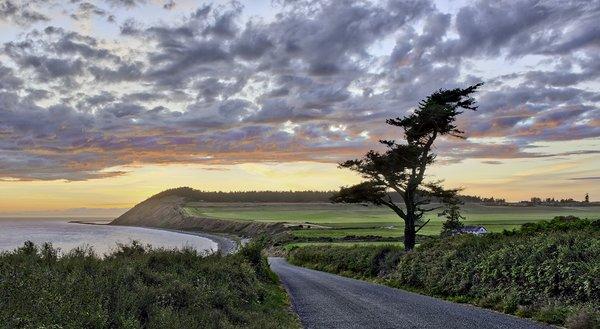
{"x": 86, "y": 10}
{"x": 518, "y": 28}
{"x": 315, "y": 81}
{"x": 170, "y": 4}
{"x": 8, "y": 80}
{"x": 20, "y": 13}
{"x": 125, "y": 3}
{"x": 585, "y": 178}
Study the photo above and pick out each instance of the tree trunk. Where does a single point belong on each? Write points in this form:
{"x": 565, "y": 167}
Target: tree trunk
{"x": 409, "y": 233}
{"x": 409, "y": 221}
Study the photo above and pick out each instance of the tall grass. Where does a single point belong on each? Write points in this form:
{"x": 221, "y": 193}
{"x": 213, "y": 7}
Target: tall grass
{"x": 139, "y": 287}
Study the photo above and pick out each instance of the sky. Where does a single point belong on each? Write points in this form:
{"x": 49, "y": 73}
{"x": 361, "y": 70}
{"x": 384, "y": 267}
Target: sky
{"x": 104, "y": 103}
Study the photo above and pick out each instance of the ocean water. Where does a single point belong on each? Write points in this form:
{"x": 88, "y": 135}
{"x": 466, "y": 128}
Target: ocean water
{"x": 102, "y": 238}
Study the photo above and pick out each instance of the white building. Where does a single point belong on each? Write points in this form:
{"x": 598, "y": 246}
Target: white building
{"x": 477, "y": 230}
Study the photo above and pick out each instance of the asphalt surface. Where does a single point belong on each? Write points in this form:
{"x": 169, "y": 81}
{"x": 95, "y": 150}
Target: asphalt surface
{"x": 324, "y": 300}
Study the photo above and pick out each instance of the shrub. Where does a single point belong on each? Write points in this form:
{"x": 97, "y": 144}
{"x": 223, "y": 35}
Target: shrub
{"x": 138, "y": 287}
{"x": 584, "y": 319}
{"x": 357, "y": 261}
{"x": 550, "y": 271}
{"x": 560, "y": 223}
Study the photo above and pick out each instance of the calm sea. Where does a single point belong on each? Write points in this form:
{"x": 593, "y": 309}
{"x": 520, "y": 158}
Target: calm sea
{"x": 102, "y": 238}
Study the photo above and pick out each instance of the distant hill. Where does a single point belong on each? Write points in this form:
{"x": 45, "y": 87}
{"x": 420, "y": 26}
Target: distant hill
{"x": 279, "y": 196}
{"x": 166, "y": 210}
{"x": 247, "y": 196}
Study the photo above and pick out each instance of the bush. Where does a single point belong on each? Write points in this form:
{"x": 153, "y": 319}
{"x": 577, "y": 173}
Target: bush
{"x": 356, "y": 261}
{"x": 138, "y": 287}
{"x": 584, "y": 319}
{"x": 549, "y": 271}
{"x": 560, "y": 223}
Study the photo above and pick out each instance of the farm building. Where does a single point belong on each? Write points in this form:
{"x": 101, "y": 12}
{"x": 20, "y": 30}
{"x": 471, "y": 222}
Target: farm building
{"x": 477, "y": 230}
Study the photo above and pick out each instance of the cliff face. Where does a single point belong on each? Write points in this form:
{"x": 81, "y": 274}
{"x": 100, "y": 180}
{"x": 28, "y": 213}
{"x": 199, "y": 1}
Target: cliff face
{"x": 168, "y": 212}
{"x": 162, "y": 212}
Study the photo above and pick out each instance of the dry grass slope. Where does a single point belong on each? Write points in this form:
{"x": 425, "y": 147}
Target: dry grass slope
{"x": 168, "y": 212}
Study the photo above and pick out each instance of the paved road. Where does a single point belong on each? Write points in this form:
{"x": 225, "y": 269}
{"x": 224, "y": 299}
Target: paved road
{"x": 324, "y": 300}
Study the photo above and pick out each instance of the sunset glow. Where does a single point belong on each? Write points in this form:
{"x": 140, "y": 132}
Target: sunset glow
{"x": 103, "y": 104}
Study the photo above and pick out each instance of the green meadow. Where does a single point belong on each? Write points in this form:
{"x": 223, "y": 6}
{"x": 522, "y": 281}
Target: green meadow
{"x": 338, "y": 220}
{"x": 398, "y": 244}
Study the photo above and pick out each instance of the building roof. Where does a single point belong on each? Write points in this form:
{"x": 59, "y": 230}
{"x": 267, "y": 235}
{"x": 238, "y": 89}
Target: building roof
{"x": 473, "y": 228}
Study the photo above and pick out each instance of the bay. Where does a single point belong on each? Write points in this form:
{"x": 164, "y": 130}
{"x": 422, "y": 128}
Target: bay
{"x": 101, "y": 238}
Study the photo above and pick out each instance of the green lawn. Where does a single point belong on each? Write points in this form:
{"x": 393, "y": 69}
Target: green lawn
{"x": 342, "y": 220}
{"x": 344, "y": 244}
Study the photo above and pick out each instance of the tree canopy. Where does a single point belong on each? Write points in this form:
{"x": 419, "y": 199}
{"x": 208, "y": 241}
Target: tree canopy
{"x": 402, "y": 167}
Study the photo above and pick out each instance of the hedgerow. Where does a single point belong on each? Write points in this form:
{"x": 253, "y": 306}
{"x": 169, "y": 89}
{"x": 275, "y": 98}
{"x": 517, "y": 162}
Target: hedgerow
{"x": 550, "y": 271}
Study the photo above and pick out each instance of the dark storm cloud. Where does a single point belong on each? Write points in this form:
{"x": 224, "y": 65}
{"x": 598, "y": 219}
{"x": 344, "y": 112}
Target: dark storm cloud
{"x": 315, "y": 82}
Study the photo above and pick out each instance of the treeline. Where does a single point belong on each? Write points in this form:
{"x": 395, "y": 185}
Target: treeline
{"x": 282, "y": 196}
{"x": 248, "y": 196}
{"x": 552, "y": 201}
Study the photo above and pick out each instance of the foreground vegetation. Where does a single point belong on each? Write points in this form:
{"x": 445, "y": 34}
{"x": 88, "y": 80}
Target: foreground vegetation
{"x": 138, "y": 287}
{"x": 549, "y": 271}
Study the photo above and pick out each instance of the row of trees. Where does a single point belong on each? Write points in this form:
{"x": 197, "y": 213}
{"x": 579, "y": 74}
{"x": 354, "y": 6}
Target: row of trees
{"x": 281, "y": 196}
{"x": 536, "y": 200}
{"x": 248, "y": 196}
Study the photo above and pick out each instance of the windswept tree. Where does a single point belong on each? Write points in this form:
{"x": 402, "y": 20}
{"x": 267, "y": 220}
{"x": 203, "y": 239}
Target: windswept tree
{"x": 401, "y": 168}
{"x": 452, "y": 214}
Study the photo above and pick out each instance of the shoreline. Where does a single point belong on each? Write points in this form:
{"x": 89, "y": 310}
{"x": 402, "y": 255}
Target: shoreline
{"x": 225, "y": 244}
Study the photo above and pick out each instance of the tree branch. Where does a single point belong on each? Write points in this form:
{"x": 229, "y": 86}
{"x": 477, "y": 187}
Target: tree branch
{"x": 424, "y": 156}
{"x": 420, "y": 227}
{"x": 395, "y": 208}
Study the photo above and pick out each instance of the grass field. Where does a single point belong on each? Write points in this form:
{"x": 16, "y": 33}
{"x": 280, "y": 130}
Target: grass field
{"x": 339, "y": 220}
{"x": 344, "y": 244}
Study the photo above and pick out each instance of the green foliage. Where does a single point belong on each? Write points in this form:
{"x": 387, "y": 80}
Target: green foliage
{"x": 139, "y": 287}
{"x": 401, "y": 168}
{"x": 437, "y": 114}
{"x": 560, "y": 223}
{"x": 365, "y": 192}
{"x": 356, "y": 261}
{"x": 452, "y": 214}
{"x": 246, "y": 196}
{"x": 346, "y": 220}
{"x": 551, "y": 273}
